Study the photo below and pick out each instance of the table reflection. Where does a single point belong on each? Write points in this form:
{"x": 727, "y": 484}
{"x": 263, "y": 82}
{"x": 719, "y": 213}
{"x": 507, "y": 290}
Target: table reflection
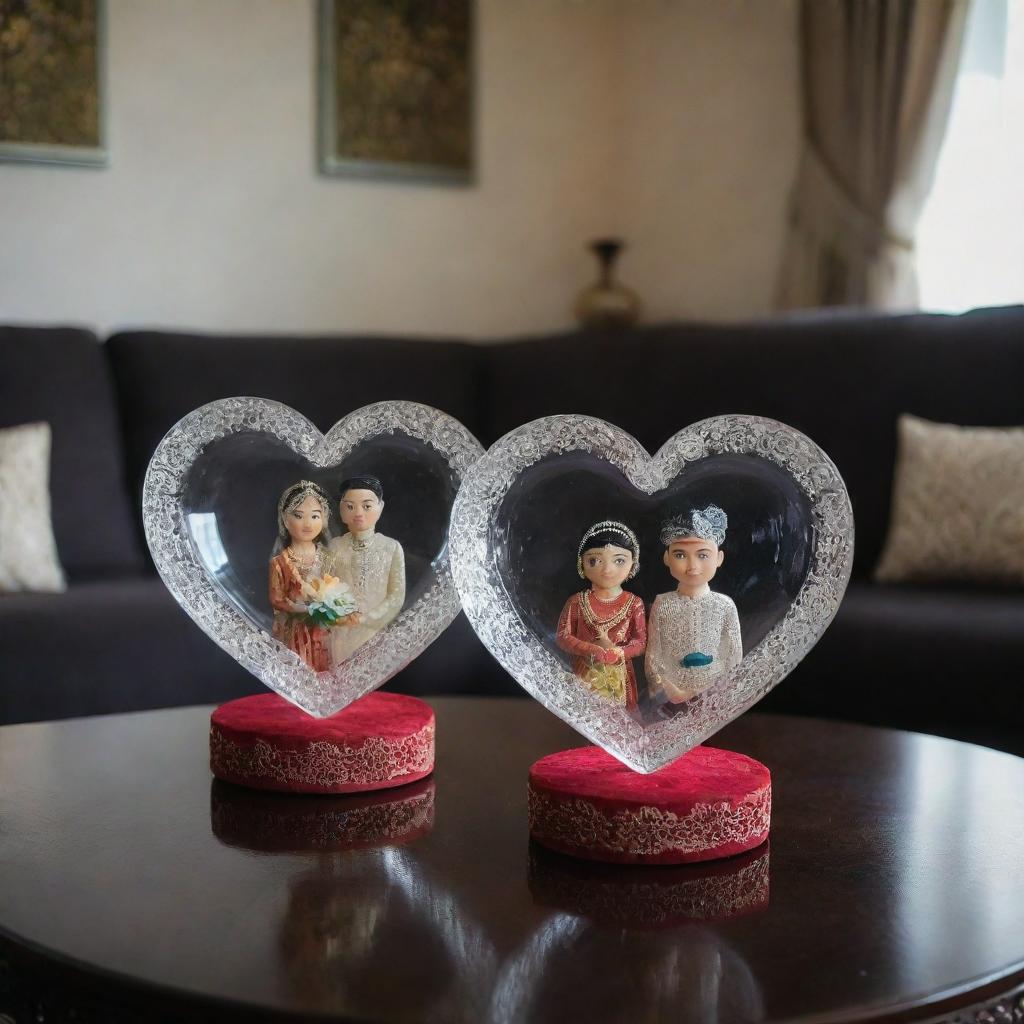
{"x": 372, "y": 936}
{"x": 573, "y": 969}
{"x": 646, "y": 896}
{"x": 266, "y": 822}
{"x": 605, "y": 954}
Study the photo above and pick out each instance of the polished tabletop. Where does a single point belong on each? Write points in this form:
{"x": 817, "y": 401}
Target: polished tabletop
{"x": 892, "y": 886}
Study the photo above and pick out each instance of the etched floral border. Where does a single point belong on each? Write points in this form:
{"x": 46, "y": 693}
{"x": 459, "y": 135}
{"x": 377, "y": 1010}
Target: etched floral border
{"x": 649, "y": 831}
{"x": 490, "y": 609}
{"x": 177, "y": 560}
{"x": 322, "y": 763}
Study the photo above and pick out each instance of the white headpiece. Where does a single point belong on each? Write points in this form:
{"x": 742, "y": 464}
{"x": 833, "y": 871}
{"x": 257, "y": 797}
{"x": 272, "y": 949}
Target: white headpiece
{"x": 707, "y": 523}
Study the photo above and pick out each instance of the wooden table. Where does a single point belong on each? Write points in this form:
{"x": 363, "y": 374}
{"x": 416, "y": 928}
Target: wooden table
{"x": 133, "y": 887}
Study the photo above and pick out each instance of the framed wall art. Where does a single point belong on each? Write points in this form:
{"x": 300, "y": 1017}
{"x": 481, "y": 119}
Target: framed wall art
{"x": 52, "y": 90}
{"x": 396, "y": 85}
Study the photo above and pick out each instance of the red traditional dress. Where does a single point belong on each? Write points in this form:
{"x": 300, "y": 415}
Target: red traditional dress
{"x": 622, "y": 620}
{"x": 293, "y": 629}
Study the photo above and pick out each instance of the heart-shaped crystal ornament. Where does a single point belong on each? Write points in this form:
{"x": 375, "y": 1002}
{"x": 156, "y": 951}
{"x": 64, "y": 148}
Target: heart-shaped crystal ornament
{"x": 327, "y": 615}
{"x": 741, "y": 524}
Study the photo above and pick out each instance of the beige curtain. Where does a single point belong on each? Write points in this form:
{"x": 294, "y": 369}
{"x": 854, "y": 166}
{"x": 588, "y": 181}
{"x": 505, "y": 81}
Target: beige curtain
{"x": 878, "y": 80}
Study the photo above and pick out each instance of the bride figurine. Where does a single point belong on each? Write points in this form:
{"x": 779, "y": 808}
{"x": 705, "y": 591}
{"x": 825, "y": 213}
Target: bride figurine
{"x": 300, "y": 560}
{"x": 604, "y": 627}
{"x": 695, "y": 632}
{"x": 371, "y": 564}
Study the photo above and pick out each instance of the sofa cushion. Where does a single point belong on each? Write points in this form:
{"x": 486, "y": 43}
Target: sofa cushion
{"x": 28, "y": 549}
{"x": 163, "y": 376}
{"x": 125, "y": 645}
{"x": 958, "y": 506}
{"x": 61, "y": 376}
{"x": 928, "y": 658}
{"x": 842, "y": 379}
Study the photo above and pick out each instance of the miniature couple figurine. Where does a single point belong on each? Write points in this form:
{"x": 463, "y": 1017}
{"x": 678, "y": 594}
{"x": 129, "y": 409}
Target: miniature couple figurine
{"x": 330, "y": 595}
{"x": 694, "y": 633}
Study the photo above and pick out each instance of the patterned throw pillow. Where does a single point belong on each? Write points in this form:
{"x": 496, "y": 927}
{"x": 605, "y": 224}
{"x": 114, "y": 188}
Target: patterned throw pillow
{"x": 958, "y": 506}
{"x": 28, "y": 551}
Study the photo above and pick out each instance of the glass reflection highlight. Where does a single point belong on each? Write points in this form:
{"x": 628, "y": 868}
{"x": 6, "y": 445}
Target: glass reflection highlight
{"x": 206, "y": 537}
{"x": 571, "y": 969}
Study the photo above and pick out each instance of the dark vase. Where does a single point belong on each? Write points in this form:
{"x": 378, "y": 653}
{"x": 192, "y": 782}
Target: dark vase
{"x": 607, "y": 303}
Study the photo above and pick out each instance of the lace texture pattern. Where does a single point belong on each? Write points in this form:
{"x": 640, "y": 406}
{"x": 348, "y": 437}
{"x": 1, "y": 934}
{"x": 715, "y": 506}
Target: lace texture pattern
{"x": 649, "y": 831}
{"x": 176, "y": 559}
{"x": 493, "y": 615}
{"x": 322, "y": 764}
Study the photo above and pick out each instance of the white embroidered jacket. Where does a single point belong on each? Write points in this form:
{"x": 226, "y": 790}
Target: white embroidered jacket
{"x": 376, "y": 574}
{"x": 680, "y": 625}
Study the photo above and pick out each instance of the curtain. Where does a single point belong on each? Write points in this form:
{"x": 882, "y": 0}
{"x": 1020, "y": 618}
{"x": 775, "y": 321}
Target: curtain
{"x": 877, "y": 79}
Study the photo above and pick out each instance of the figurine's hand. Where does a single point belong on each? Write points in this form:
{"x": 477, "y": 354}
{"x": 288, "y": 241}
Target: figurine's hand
{"x": 603, "y": 642}
{"x": 299, "y": 607}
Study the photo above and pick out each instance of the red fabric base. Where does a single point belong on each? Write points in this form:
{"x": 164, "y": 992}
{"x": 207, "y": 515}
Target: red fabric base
{"x": 379, "y": 741}
{"x": 279, "y": 823}
{"x": 710, "y": 803}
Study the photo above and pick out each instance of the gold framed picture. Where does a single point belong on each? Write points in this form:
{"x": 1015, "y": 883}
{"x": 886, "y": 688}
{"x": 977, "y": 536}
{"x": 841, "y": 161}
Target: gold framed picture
{"x": 396, "y": 88}
{"x": 52, "y": 90}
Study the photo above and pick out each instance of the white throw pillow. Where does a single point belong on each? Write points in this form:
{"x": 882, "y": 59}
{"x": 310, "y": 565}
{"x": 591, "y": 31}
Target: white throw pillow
{"x": 28, "y": 551}
{"x": 958, "y": 506}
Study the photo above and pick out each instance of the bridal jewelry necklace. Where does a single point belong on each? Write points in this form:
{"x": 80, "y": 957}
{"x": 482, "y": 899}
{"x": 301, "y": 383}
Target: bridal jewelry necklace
{"x": 304, "y": 565}
{"x": 603, "y": 625}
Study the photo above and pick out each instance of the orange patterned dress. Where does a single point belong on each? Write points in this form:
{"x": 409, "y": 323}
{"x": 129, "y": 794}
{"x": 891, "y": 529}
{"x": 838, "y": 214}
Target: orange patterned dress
{"x": 293, "y": 629}
{"x": 624, "y": 623}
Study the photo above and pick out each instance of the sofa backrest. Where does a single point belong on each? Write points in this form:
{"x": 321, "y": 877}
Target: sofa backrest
{"x": 841, "y": 378}
{"x": 61, "y": 376}
{"x": 163, "y": 376}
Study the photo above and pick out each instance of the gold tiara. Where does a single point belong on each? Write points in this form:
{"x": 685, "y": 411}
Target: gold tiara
{"x": 306, "y": 487}
{"x": 610, "y": 526}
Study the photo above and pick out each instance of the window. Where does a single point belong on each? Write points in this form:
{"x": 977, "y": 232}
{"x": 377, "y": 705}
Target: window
{"x": 971, "y": 234}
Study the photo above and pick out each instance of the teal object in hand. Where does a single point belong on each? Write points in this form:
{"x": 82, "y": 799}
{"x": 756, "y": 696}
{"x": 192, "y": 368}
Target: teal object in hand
{"x": 696, "y": 660}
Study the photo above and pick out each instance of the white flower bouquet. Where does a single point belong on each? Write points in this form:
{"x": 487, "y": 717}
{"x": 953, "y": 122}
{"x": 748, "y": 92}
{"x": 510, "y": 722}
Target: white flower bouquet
{"x": 328, "y": 600}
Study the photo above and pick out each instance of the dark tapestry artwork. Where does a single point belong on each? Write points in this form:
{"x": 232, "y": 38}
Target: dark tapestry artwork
{"x": 51, "y": 89}
{"x": 396, "y": 88}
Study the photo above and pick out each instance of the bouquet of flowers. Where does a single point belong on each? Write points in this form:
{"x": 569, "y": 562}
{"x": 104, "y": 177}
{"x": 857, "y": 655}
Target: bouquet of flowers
{"x": 328, "y": 600}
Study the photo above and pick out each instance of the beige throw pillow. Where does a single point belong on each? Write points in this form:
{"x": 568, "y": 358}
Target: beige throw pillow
{"x": 28, "y": 551}
{"x": 958, "y": 505}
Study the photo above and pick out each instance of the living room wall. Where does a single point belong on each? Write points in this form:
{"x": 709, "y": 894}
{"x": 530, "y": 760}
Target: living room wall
{"x": 672, "y": 122}
{"x": 710, "y": 137}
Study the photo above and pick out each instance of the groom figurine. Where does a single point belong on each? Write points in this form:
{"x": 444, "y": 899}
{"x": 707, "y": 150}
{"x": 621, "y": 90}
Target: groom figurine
{"x": 693, "y": 636}
{"x": 370, "y": 563}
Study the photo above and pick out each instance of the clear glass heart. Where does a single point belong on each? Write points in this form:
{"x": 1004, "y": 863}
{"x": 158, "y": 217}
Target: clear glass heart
{"x": 518, "y": 551}
{"x": 322, "y": 617}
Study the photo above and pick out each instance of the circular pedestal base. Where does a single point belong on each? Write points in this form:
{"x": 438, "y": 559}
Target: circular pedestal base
{"x": 379, "y": 741}
{"x": 710, "y": 803}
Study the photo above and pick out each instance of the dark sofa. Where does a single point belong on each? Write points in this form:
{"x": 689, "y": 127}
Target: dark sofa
{"x": 946, "y": 660}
